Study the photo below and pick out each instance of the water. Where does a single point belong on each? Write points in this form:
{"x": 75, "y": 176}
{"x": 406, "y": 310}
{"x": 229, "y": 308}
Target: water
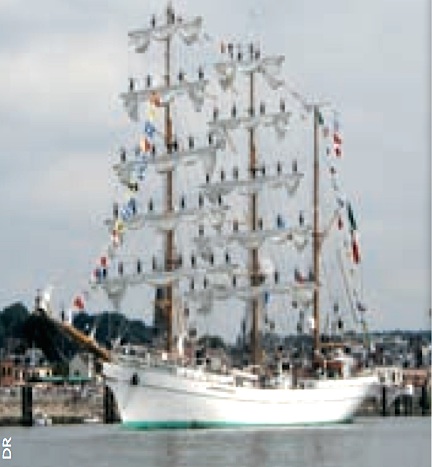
{"x": 372, "y": 442}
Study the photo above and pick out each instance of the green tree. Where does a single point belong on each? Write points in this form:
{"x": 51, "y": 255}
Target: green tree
{"x": 212, "y": 342}
{"x": 12, "y": 320}
{"x": 2, "y": 334}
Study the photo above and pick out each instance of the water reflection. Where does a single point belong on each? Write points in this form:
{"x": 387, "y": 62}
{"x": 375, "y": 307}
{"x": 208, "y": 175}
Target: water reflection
{"x": 372, "y": 443}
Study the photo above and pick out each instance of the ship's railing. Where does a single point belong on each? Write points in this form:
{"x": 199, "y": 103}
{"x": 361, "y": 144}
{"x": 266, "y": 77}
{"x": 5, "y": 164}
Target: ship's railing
{"x": 245, "y": 377}
{"x": 144, "y": 357}
{"x": 174, "y": 364}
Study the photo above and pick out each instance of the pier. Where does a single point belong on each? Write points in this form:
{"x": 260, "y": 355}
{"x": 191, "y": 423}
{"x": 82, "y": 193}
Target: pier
{"x": 71, "y": 405}
{"x": 397, "y": 401}
{"x": 60, "y": 404}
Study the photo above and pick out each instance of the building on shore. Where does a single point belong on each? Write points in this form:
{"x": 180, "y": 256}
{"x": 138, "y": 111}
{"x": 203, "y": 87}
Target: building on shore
{"x": 82, "y": 365}
{"x": 15, "y": 370}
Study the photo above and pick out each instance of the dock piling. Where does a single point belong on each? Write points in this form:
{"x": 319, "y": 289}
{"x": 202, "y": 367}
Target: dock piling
{"x": 27, "y": 405}
{"x": 109, "y": 411}
{"x": 384, "y": 401}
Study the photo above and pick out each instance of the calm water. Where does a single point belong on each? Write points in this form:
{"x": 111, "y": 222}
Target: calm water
{"x": 402, "y": 442}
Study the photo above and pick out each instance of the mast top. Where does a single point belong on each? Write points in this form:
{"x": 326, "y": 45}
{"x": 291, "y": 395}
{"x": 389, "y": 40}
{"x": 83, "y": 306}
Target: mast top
{"x": 170, "y": 13}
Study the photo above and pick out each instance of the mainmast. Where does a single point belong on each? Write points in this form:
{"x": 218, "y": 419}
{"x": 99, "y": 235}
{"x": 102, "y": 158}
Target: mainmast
{"x": 254, "y": 258}
{"x": 169, "y": 238}
{"x": 259, "y": 285}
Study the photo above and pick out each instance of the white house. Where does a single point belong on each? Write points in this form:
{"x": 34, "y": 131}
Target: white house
{"x": 82, "y": 365}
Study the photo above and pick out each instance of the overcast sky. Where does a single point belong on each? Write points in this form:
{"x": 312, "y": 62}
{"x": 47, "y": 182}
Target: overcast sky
{"x": 63, "y": 64}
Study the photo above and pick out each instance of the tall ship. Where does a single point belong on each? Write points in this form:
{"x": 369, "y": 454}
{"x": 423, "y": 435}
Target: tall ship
{"x": 223, "y": 194}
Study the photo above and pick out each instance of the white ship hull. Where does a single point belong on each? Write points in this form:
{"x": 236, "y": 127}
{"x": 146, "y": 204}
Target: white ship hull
{"x": 178, "y": 397}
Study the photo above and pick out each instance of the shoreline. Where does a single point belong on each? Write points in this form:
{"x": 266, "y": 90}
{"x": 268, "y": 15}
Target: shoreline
{"x": 56, "y": 420}
{"x": 74, "y": 420}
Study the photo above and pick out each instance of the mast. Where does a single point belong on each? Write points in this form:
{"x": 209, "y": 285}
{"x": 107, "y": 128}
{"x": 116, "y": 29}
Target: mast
{"x": 252, "y": 239}
{"x": 169, "y": 240}
{"x": 316, "y": 232}
{"x": 254, "y": 261}
{"x": 163, "y": 275}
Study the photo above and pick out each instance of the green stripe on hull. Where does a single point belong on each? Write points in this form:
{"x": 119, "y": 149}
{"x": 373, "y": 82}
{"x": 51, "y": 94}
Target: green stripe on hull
{"x": 183, "y": 425}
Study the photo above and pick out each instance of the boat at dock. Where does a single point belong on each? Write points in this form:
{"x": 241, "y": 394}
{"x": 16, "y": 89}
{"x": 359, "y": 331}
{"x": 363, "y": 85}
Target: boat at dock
{"x": 41, "y": 419}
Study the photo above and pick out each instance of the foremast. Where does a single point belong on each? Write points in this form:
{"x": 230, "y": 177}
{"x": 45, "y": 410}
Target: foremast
{"x": 164, "y": 275}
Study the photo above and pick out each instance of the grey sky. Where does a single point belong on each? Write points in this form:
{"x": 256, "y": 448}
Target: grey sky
{"x": 64, "y": 63}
